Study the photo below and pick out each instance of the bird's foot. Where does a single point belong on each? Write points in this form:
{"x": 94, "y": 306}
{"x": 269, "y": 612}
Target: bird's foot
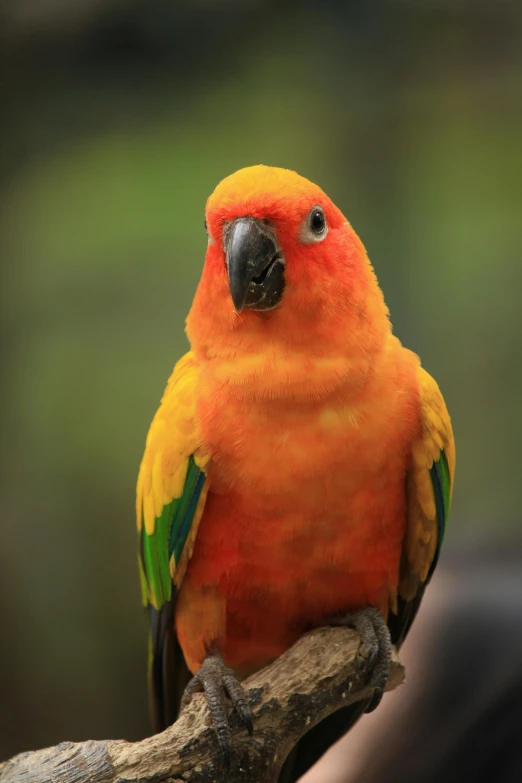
{"x": 375, "y": 650}
{"x": 217, "y": 681}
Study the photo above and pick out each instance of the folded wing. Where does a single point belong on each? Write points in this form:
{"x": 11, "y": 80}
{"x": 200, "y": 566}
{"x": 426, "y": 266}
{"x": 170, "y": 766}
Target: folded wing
{"x": 170, "y": 497}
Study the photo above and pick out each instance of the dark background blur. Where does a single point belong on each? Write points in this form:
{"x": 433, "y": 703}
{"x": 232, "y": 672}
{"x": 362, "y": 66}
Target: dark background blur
{"x": 118, "y": 118}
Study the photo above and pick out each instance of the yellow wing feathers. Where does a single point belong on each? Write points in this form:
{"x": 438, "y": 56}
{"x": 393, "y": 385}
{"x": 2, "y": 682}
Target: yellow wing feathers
{"x": 429, "y": 487}
{"x": 437, "y": 433}
{"x": 170, "y": 442}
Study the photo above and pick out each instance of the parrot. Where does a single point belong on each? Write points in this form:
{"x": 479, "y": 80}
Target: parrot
{"x": 299, "y": 470}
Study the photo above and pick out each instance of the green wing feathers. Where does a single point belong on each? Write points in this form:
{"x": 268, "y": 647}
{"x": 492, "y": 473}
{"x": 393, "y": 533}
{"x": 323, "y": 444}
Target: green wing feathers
{"x": 161, "y": 551}
{"x": 441, "y": 482}
{"x": 154, "y": 559}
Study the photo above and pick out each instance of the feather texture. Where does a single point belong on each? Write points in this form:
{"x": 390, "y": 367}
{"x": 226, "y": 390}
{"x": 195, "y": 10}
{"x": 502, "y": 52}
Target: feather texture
{"x": 171, "y": 494}
{"x": 325, "y": 449}
{"x": 429, "y": 489}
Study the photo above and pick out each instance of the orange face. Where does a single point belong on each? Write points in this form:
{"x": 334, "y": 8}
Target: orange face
{"x": 281, "y": 259}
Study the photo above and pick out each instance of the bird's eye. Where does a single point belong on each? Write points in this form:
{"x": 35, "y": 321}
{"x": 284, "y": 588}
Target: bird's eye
{"x": 315, "y": 227}
{"x": 206, "y": 227}
{"x": 317, "y": 221}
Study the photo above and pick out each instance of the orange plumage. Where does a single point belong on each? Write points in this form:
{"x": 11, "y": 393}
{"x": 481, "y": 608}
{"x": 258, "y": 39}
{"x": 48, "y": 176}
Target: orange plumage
{"x": 316, "y": 431}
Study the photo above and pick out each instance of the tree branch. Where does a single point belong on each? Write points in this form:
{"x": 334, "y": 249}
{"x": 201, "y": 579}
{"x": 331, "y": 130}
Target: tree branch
{"x": 314, "y": 678}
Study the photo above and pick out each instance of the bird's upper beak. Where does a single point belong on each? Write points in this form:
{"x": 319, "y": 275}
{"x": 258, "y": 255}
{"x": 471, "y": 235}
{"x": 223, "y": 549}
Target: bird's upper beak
{"x": 255, "y": 264}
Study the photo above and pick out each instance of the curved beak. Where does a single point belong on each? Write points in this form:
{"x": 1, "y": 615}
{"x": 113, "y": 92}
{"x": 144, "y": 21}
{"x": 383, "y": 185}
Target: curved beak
{"x": 255, "y": 264}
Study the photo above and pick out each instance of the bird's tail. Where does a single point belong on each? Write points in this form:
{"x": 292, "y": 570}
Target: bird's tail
{"x": 168, "y": 672}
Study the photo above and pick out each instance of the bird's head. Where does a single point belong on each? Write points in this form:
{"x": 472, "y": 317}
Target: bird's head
{"x": 282, "y": 262}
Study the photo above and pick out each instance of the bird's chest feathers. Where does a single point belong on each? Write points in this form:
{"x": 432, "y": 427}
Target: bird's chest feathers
{"x": 306, "y": 508}
{"x": 276, "y": 453}
{"x": 305, "y": 442}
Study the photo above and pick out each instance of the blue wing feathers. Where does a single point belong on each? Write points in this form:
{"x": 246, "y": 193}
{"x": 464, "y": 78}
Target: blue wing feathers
{"x": 188, "y": 516}
{"x": 185, "y": 509}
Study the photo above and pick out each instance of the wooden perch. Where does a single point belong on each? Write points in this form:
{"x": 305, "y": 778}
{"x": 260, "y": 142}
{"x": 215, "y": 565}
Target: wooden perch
{"x": 314, "y": 678}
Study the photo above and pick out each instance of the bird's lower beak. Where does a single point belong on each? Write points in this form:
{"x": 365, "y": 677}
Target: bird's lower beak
{"x": 255, "y": 264}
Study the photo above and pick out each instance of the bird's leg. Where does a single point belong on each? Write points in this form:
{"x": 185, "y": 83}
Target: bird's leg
{"x": 217, "y": 681}
{"x": 375, "y": 650}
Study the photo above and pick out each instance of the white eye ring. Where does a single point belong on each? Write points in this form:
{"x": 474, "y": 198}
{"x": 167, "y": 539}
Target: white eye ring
{"x": 315, "y": 227}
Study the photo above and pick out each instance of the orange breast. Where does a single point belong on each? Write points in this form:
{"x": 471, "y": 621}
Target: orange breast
{"x": 306, "y": 513}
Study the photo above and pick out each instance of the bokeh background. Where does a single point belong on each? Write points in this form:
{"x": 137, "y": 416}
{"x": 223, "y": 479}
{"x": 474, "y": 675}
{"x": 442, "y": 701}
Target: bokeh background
{"x": 117, "y": 119}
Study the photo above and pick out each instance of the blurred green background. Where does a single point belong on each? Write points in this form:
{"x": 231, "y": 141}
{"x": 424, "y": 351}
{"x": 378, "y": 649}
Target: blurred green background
{"x": 118, "y": 118}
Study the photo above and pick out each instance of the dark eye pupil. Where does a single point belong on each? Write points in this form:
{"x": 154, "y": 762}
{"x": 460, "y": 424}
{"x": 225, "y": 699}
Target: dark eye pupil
{"x": 317, "y": 221}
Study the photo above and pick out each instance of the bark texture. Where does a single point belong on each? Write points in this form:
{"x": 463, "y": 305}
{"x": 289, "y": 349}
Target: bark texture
{"x": 314, "y": 678}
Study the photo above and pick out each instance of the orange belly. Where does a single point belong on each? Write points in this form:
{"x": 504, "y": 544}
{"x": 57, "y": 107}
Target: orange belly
{"x": 306, "y": 512}
{"x": 264, "y": 579}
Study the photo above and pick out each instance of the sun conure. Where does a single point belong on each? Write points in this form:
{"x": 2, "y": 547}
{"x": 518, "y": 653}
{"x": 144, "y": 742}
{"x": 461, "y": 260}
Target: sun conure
{"x": 299, "y": 469}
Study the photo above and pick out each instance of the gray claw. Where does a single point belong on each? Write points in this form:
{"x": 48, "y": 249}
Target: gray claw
{"x": 375, "y": 650}
{"x": 218, "y": 681}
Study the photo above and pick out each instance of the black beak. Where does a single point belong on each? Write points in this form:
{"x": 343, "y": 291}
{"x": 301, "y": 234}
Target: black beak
{"x": 255, "y": 264}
